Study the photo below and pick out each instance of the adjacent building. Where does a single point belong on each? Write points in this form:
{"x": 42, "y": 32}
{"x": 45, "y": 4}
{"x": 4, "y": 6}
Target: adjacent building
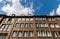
{"x": 29, "y": 27}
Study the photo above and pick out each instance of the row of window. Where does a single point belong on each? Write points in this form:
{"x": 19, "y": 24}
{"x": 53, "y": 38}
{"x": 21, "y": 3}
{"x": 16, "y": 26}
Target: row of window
{"x": 18, "y": 19}
{"x": 30, "y": 19}
{"x": 49, "y": 19}
{"x": 9, "y": 19}
{"x": 41, "y": 25}
{"x": 40, "y": 18}
{"x": 44, "y": 33}
{"x": 54, "y": 25}
{"x": 31, "y": 34}
{"x": 56, "y": 34}
{"x": 25, "y": 19}
{"x": 6, "y": 27}
{"x": 3, "y": 36}
{"x": 26, "y": 25}
{"x": 21, "y": 34}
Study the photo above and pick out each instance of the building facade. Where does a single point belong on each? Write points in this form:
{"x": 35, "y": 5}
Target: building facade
{"x": 29, "y": 27}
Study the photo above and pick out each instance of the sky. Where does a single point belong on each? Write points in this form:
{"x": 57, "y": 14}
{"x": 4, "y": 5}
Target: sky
{"x": 32, "y": 7}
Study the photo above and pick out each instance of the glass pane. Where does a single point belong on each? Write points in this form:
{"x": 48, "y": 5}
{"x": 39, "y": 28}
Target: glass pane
{"x": 14, "y": 34}
{"x": 20, "y": 34}
{"x": 31, "y": 34}
{"x": 25, "y": 34}
{"x": 30, "y": 25}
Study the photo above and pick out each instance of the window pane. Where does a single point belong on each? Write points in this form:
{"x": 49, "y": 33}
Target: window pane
{"x": 19, "y": 19}
{"x": 23, "y": 19}
{"x": 26, "y": 25}
{"x": 49, "y": 34}
{"x": 1, "y": 36}
{"x": 2, "y": 27}
{"x": 56, "y": 25}
{"x": 22, "y": 25}
{"x": 38, "y": 33}
{"x": 52, "y": 25}
{"x": 17, "y": 25}
{"x": 14, "y": 34}
{"x": 49, "y": 19}
{"x": 9, "y": 27}
{"x": 6, "y": 26}
{"x": 37, "y": 25}
{"x": 42, "y": 25}
{"x": 42, "y": 33}
{"x": 25, "y": 34}
{"x": 20, "y": 34}
{"x": 30, "y": 25}
{"x": 31, "y": 34}
{"x": 27, "y": 19}
{"x": 31, "y": 19}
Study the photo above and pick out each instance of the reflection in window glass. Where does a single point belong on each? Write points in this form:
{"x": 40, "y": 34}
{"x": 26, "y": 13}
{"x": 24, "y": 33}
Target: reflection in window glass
{"x": 31, "y": 19}
{"x": 20, "y": 34}
{"x": 52, "y": 25}
{"x": 27, "y": 19}
{"x": 23, "y": 19}
{"x": 30, "y": 25}
{"x": 14, "y": 34}
{"x": 31, "y": 34}
{"x": 25, "y": 34}
{"x": 56, "y": 25}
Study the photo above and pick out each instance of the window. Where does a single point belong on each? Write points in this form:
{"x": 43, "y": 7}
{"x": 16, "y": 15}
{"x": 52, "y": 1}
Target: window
{"x": 37, "y": 18}
{"x": 58, "y": 18}
{"x": 31, "y": 34}
{"x": 49, "y": 19}
{"x": 56, "y": 25}
{"x": 6, "y": 20}
{"x": 52, "y": 25}
{"x": 53, "y": 19}
{"x": 46, "y": 25}
{"x": 0, "y": 18}
{"x": 12, "y": 20}
{"x": 49, "y": 34}
{"x": 9, "y": 27}
{"x": 3, "y": 36}
{"x": 2, "y": 27}
{"x": 27, "y": 19}
{"x": 30, "y": 25}
{"x": 42, "y": 25}
{"x": 6, "y": 27}
{"x": 22, "y": 25}
{"x": 25, "y": 34}
{"x": 17, "y": 25}
{"x": 43, "y": 18}
{"x": 56, "y": 34}
{"x": 38, "y": 33}
{"x": 20, "y": 34}
{"x": 14, "y": 34}
{"x": 42, "y": 33}
{"x": 31, "y": 19}
{"x": 37, "y": 25}
{"x": 19, "y": 19}
{"x": 26, "y": 25}
{"x": 23, "y": 19}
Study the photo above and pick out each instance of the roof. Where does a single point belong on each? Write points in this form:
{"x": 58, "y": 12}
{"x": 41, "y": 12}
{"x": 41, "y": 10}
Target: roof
{"x": 5, "y": 16}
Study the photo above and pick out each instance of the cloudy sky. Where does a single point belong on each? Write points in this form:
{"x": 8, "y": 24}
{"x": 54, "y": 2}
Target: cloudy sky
{"x": 33, "y": 7}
